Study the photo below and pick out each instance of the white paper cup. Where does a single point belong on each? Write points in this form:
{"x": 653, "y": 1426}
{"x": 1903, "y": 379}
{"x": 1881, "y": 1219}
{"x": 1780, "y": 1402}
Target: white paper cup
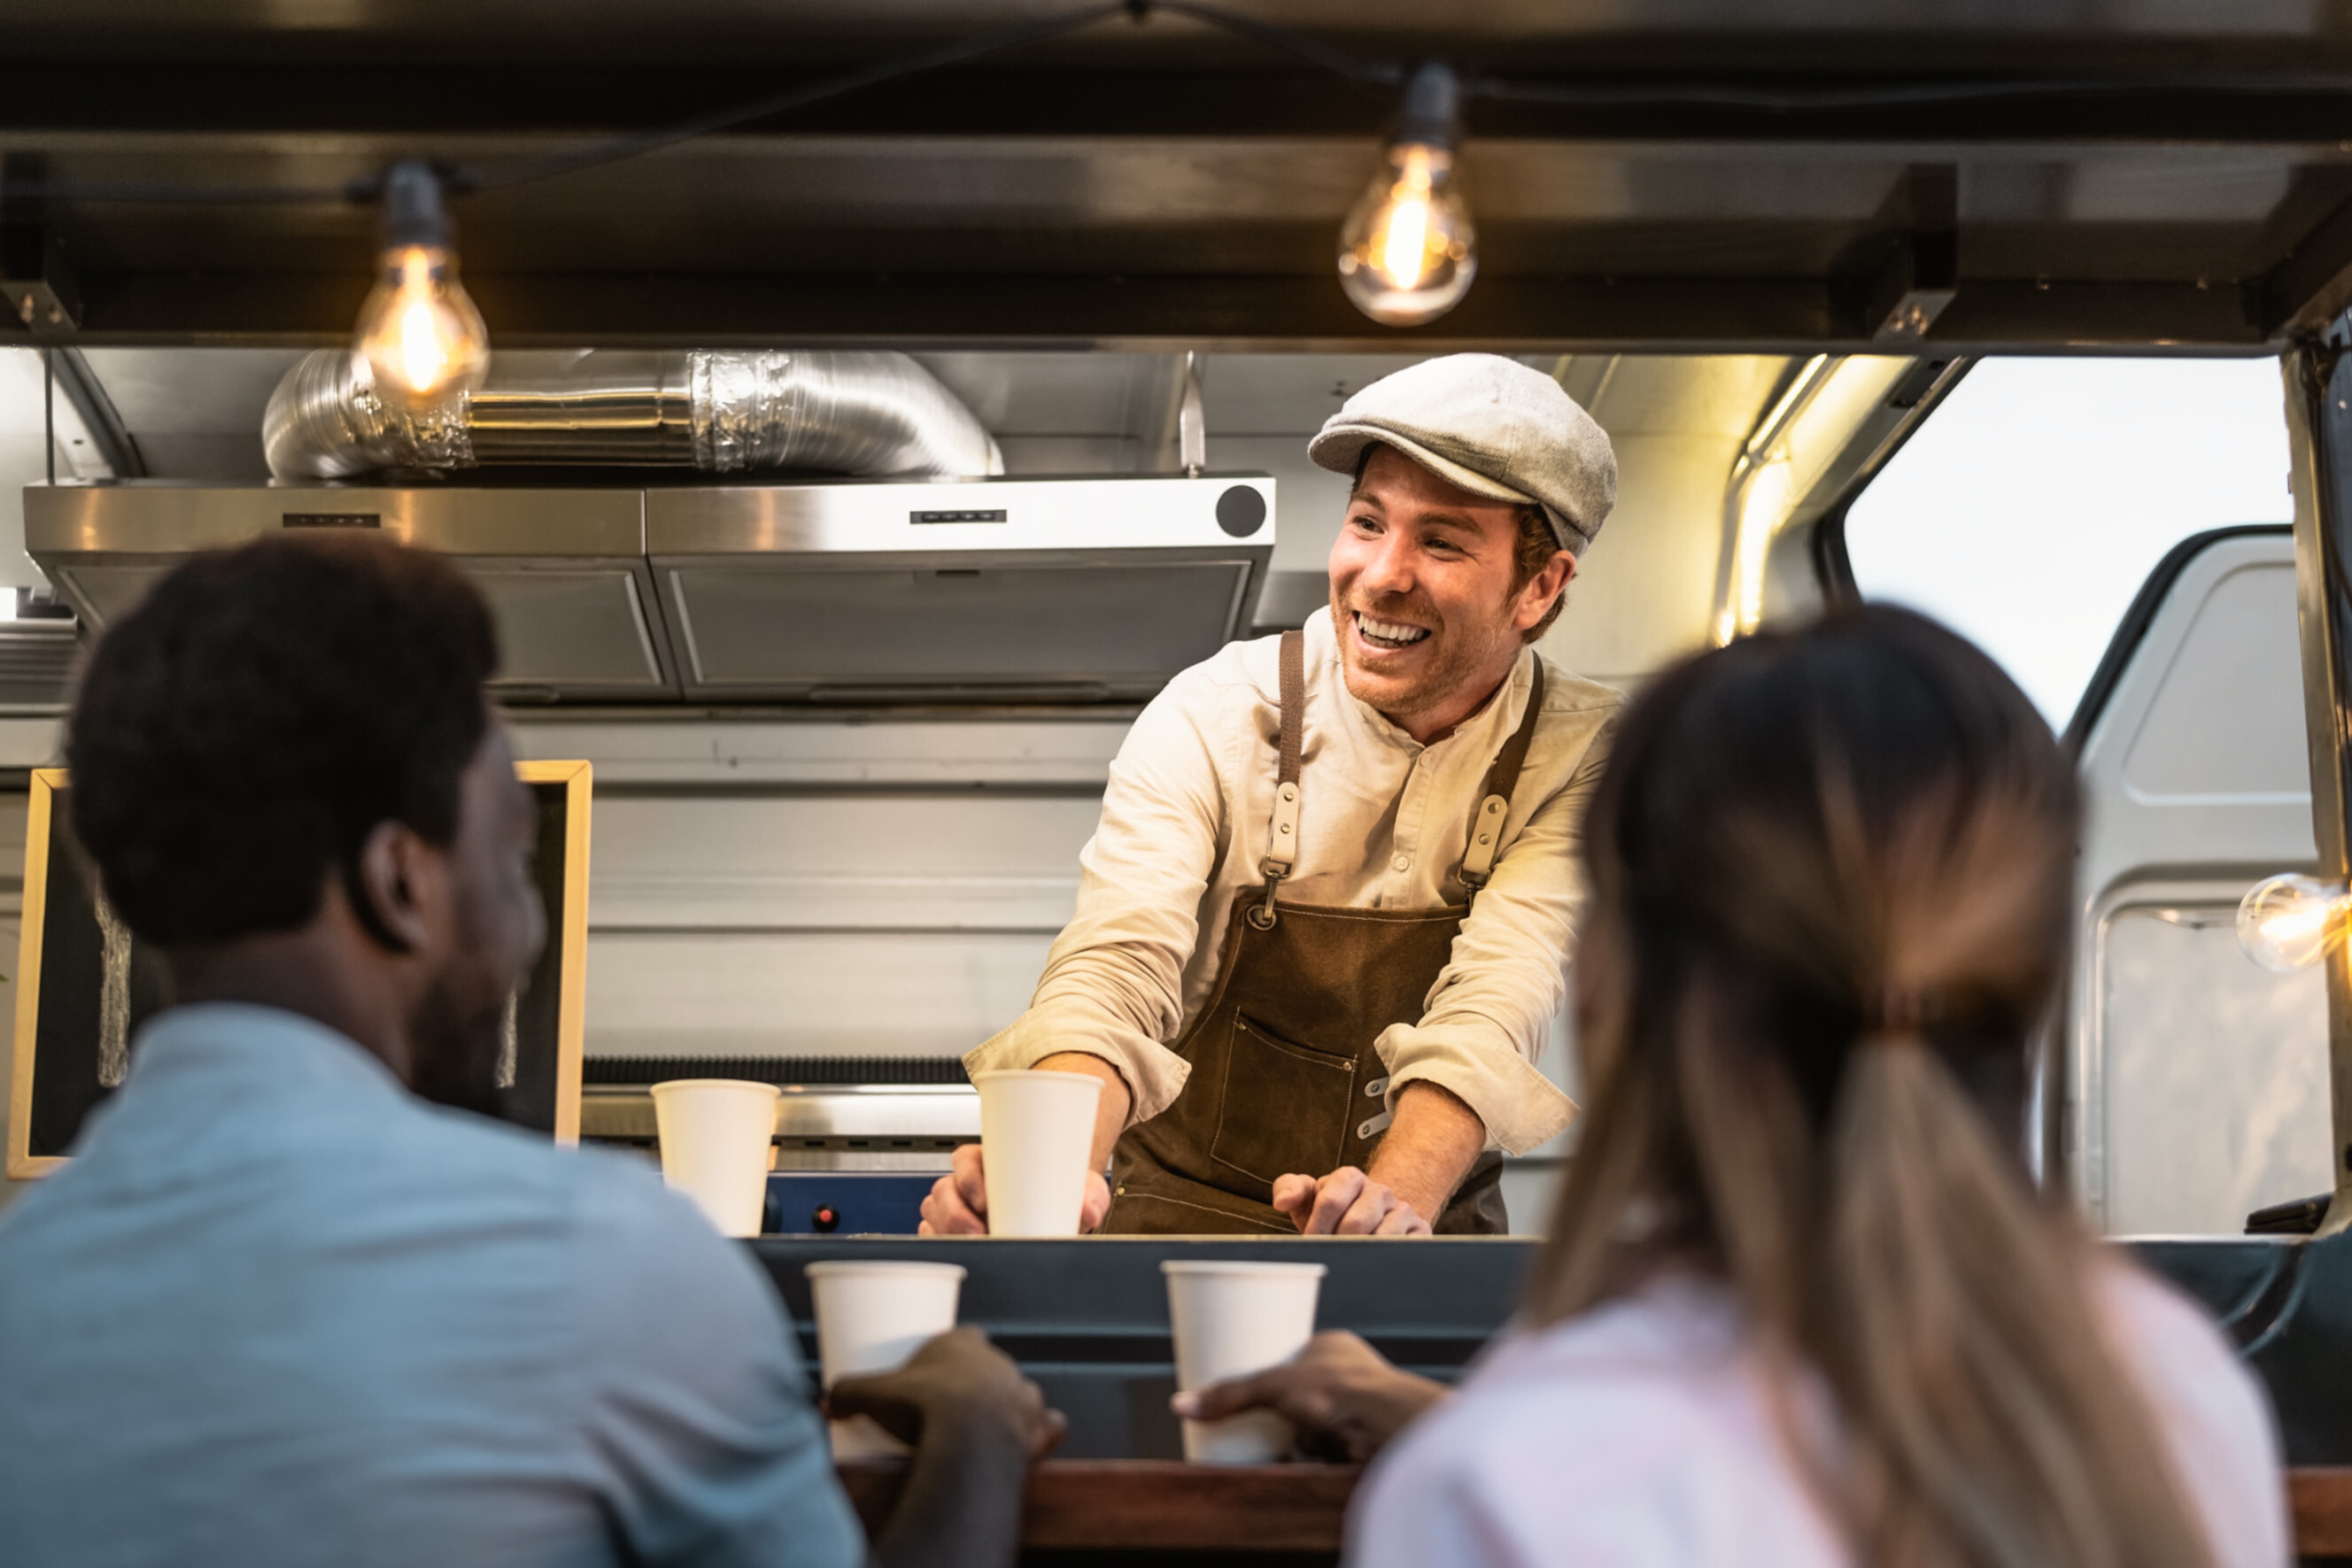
{"x": 871, "y": 1317}
{"x": 1232, "y": 1319}
{"x": 714, "y": 1138}
{"x": 1037, "y": 1139}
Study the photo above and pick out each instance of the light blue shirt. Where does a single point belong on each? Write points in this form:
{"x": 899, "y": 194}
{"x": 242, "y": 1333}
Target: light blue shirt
{"x": 280, "y": 1311}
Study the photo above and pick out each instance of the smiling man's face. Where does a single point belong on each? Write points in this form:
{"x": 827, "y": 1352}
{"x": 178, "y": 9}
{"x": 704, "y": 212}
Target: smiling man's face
{"x": 1422, "y": 600}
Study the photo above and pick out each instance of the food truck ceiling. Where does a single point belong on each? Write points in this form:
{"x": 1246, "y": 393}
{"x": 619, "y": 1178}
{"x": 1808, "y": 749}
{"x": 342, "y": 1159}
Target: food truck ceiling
{"x": 1733, "y": 175}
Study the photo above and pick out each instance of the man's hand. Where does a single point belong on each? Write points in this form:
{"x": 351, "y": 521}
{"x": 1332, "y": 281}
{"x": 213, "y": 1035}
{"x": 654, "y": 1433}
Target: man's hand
{"x": 977, "y": 1426}
{"x": 1344, "y": 1399}
{"x": 959, "y": 1384}
{"x": 1345, "y": 1203}
{"x": 958, "y": 1205}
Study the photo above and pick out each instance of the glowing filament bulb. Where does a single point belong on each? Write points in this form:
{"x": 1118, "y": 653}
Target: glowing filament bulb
{"x": 1404, "y": 252}
{"x": 1407, "y": 251}
{"x": 423, "y": 359}
{"x": 421, "y": 338}
{"x": 2291, "y": 921}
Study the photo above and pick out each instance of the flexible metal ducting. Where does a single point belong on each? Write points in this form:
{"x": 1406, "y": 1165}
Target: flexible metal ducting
{"x": 835, "y": 412}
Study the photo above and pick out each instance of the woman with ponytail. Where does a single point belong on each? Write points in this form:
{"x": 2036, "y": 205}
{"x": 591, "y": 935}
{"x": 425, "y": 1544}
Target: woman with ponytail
{"x": 1801, "y": 1302}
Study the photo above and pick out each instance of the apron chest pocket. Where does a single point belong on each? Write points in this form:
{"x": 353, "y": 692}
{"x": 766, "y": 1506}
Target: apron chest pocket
{"x": 1286, "y": 1107}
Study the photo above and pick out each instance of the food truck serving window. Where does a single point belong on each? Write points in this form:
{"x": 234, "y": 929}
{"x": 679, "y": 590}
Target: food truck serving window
{"x": 2031, "y": 504}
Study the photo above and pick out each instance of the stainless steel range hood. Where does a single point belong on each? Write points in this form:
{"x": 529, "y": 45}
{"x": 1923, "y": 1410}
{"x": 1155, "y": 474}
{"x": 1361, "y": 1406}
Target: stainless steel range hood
{"x": 854, "y": 591}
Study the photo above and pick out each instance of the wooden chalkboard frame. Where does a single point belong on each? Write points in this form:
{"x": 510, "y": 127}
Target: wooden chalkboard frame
{"x": 567, "y": 951}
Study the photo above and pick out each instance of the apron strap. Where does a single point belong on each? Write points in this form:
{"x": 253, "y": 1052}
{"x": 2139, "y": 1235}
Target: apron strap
{"x": 1487, "y": 826}
{"x": 1282, "y": 832}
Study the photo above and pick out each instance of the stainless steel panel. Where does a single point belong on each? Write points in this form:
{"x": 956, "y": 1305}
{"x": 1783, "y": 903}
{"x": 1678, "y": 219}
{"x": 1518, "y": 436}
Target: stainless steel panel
{"x": 724, "y": 988}
{"x": 853, "y": 517}
{"x": 169, "y": 520}
{"x": 1048, "y": 590}
{"x": 1116, "y": 629}
{"x": 103, "y": 589}
{"x": 805, "y": 749}
{"x": 869, "y": 1112}
{"x": 575, "y": 629}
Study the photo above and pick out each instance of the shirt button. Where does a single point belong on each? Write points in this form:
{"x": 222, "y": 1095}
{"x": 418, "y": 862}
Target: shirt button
{"x": 1403, "y": 863}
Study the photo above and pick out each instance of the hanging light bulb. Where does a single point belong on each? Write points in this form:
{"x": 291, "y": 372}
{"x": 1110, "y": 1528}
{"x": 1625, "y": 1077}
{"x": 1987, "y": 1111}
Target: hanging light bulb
{"x": 419, "y": 335}
{"x": 2290, "y": 921}
{"x": 1408, "y": 252}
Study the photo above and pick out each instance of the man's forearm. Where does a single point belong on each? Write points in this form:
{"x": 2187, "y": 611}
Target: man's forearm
{"x": 961, "y": 1505}
{"x": 1429, "y": 1148}
{"x": 1110, "y": 1112}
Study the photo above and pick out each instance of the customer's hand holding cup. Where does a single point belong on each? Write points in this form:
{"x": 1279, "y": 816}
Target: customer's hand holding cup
{"x": 1031, "y": 1173}
{"x": 872, "y": 1317}
{"x": 1232, "y": 1319}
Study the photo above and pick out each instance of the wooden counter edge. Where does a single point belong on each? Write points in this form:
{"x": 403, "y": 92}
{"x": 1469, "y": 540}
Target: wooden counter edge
{"x": 1155, "y": 1503}
{"x": 2320, "y": 1498}
{"x": 1146, "y": 1504}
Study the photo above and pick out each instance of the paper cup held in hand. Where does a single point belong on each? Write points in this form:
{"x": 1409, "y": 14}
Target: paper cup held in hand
{"x": 1037, "y": 1138}
{"x": 871, "y": 1317}
{"x": 1232, "y": 1319}
{"x": 714, "y": 1138}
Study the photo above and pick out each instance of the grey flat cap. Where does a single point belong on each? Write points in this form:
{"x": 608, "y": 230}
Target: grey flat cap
{"x": 1492, "y": 426}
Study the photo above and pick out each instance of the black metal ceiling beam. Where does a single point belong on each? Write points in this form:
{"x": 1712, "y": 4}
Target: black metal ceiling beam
{"x": 1521, "y": 313}
{"x": 2284, "y": 110}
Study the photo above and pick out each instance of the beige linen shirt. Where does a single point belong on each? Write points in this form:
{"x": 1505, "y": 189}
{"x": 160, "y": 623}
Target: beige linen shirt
{"x": 1384, "y": 820}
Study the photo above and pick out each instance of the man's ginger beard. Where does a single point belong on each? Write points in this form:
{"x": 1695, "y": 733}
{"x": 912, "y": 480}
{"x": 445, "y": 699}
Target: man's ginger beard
{"x": 1458, "y": 657}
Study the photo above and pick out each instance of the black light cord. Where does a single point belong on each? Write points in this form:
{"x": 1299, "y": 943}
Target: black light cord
{"x": 1336, "y": 62}
{"x": 637, "y": 144}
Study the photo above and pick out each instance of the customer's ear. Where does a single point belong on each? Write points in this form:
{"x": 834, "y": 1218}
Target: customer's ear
{"x": 399, "y": 888}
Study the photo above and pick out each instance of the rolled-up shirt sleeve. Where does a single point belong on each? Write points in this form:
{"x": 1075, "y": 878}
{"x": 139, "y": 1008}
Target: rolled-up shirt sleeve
{"x": 1490, "y": 1010}
{"x": 1112, "y": 986}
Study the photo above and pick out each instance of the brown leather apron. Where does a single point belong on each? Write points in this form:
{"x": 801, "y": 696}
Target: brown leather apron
{"x": 1284, "y": 1078}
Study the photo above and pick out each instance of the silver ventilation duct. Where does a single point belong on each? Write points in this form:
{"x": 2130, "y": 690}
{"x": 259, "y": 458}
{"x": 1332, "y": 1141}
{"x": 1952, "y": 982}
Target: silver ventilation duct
{"x": 834, "y": 412}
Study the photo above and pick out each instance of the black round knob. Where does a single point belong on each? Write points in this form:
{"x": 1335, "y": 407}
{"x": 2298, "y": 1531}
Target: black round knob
{"x": 1241, "y": 511}
{"x": 826, "y": 1220}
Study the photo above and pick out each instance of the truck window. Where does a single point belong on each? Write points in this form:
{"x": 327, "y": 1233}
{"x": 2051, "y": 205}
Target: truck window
{"x": 2031, "y": 504}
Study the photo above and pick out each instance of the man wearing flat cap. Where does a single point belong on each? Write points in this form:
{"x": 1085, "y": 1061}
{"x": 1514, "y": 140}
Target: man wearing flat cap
{"x": 1320, "y": 930}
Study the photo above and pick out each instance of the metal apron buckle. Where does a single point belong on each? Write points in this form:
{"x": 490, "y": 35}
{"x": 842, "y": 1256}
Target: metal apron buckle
{"x": 1263, "y": 916}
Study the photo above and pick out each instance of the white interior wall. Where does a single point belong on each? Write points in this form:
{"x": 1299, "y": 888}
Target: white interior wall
{"x": 1645, "y": 592}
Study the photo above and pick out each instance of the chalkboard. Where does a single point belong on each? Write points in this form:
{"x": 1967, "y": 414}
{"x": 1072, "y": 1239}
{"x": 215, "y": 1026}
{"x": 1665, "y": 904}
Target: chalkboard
{"x": 84, "y": 985}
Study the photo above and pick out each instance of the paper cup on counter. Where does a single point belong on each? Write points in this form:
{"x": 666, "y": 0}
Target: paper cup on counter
{"x": 714, "y": 1138}
{"x": 1232, "y": 1319}
{"x": 1037, "y": 1139}
{"x": 872, "y": 1317}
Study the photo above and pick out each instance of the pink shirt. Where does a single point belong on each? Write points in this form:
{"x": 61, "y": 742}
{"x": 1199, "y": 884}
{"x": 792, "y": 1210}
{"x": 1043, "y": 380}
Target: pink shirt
{"x": 1639, "y": 1433}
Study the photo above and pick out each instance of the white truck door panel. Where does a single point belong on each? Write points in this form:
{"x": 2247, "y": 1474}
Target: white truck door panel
{"x": 2196, "y": 1082}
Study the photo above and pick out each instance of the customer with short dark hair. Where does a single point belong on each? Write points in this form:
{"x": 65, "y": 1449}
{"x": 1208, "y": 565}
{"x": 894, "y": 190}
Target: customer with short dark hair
{"x": 281, "y": 1307}
{"x": 1802, "y": 1303}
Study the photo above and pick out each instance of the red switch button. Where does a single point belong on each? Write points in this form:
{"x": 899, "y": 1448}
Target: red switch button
{"x": 826, "y": 1220}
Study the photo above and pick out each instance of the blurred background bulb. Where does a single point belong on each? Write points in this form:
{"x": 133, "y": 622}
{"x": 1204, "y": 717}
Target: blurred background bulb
{"x": 1408, "y": 251}
{"x": 2289, "y": 922}
{"x": 421, "y": 338}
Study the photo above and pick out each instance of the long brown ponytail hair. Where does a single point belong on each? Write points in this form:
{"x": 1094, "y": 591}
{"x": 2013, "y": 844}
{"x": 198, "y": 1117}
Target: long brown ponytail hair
{"x": 1831, "y": 875}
